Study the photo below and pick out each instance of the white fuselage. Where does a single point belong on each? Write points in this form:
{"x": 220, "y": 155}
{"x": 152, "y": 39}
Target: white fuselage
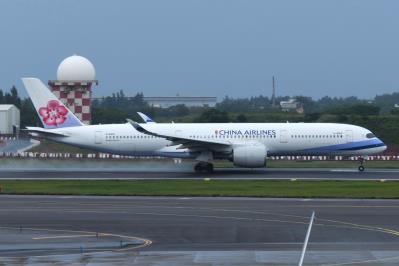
{"x": 278, "y": 138}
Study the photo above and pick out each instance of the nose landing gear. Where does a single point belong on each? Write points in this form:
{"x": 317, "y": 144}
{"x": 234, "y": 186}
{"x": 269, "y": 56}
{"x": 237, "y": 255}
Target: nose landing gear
{"x": 361, "y": 167}
{"x": 203, "y": 167}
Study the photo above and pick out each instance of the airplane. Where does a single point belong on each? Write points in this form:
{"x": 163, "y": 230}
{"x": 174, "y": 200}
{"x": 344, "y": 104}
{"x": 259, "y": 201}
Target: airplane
{"x": 245, "y": 144}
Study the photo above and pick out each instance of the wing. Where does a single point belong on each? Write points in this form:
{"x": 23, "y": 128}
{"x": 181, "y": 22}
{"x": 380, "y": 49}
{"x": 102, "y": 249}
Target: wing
{"x": 184, "y": 141}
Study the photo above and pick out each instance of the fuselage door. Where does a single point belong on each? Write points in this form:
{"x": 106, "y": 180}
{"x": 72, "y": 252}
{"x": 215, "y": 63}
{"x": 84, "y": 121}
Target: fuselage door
{"x": 283, "y": 136}
{"x": 349, "y": 135}
{"x": 98, "y": 137}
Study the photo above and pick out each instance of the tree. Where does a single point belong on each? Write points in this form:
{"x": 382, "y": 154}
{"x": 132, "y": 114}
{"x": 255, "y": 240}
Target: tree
{"x": 395, "y": 111}
{"x": 364, "y": 109}
{"x": 213, "y": 116}
{"x": 241, "y": 118}
{"x": 15, "y": 100}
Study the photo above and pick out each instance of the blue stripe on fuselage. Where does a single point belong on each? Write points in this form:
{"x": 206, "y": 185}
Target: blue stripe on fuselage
{"x": 350, "y": 146}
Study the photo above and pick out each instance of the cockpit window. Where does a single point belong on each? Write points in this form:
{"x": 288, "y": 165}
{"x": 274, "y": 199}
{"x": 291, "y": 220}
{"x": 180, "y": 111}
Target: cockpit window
{"x": 370, "y": 135}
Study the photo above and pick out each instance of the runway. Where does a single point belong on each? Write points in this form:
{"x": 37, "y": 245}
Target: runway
{"x": 223, "y": 173}
{"x": 211, "y": 231}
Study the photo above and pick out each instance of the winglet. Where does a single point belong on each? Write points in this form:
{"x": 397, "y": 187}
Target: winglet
{"x": 133, "y": 123}
{"x": 145, "y": 118}
{"x": 139, "y": 128}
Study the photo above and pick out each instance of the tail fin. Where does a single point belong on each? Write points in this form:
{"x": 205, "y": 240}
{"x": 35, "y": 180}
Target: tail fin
{"x": 52, "y": 112}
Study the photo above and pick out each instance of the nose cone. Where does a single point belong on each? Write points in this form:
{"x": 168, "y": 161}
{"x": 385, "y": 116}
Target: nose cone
{"x": 382, "y": 146}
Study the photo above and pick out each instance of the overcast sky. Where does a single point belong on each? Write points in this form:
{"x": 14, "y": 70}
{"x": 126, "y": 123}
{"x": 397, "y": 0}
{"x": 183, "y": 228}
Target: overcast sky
{"x": 208, "y": 48}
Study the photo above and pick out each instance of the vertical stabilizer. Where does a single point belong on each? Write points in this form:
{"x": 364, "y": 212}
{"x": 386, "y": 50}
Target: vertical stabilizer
{"x": 52, "y": 112}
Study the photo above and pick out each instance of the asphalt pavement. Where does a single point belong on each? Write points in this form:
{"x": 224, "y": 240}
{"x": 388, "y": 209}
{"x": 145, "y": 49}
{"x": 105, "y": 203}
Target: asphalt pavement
{"x": 207, "y": 231}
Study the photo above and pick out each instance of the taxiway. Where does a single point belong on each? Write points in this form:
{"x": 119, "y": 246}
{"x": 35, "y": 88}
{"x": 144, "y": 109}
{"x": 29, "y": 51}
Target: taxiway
{"x": 185, "y": 230}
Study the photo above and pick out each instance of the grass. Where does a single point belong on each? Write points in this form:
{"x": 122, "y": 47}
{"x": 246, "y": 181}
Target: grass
{"x": 240, "y": 188}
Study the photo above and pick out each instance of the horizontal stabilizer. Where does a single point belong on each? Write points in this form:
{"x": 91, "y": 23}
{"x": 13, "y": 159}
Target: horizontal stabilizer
{"x": 45, "y": 132}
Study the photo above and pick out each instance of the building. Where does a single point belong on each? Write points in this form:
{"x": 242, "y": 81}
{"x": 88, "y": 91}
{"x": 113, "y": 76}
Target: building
{"x": 9, "y": 119}
{"x": 291, "y": 105}
{"x": 165, "y": 102}
{"x": 75, "y": 78}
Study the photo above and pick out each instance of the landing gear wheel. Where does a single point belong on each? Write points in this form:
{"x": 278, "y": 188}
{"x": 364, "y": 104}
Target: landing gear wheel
{"x": 361, "y": 167}
{"x": 203, "y": 167}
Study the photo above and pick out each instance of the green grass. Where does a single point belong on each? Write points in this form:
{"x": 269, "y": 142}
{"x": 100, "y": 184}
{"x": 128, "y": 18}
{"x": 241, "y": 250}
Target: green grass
{"x": 240, "y": 188}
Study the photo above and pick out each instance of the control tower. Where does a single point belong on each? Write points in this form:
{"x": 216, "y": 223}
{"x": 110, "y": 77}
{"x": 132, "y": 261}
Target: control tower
{"x": 75, "y": 78}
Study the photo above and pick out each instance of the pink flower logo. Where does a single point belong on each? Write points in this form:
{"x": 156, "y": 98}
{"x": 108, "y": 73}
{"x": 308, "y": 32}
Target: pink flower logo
{"x": 54, "y": 114}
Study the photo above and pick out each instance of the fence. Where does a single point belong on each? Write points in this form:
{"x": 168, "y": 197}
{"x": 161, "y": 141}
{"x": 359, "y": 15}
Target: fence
{"x": 94, "y": 156}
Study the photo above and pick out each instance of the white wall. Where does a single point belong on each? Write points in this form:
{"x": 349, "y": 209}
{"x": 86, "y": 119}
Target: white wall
{"x": 9, "y": 118}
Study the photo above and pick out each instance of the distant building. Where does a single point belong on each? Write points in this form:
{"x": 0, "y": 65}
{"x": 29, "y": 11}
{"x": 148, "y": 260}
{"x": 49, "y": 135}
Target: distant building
{"x": 9, "y": 119}
{"x": 291, "y": 106}
{"x": 165, "y": 102}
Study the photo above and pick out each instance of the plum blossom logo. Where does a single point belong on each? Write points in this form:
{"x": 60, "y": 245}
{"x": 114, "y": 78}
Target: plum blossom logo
{"x": 53, "y": 114}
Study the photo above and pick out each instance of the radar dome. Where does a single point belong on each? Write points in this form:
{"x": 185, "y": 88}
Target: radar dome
{"x": 76, "y": 68}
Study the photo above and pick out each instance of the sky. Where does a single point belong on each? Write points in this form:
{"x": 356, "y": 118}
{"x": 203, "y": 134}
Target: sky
{"x": 208, "y": 47}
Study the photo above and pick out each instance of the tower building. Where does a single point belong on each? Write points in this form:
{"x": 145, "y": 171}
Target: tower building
{"x": 75, "y": 78}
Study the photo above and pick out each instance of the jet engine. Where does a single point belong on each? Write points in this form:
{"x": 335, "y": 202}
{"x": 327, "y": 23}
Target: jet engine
{"x": 250, "y": 156}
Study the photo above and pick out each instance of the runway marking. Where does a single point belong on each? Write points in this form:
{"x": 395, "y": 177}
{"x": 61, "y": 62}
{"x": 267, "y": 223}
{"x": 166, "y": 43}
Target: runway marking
{"x": 381, "y": 229}
{"x": 344, "y": 224}
{"x": 65, "y": 236}
{"x": 362, "y": 262}
{"x": 218, "y": 217}
{"x": 146, "y": 242}
{"x": 350, "y": 226}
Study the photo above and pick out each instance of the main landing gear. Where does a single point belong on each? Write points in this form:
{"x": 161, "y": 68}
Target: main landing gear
{"x": 203, "y": 167}
{"x": 361, "y": 167}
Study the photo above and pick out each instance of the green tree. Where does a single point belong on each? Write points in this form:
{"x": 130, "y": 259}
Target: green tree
{"x": 213, "y": 116}
{"x": 241, "y": 118}
{"x": 395, "y": 111}
{"x": 14, "y": 98}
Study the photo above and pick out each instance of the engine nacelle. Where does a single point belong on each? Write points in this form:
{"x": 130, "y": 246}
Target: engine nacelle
{"x": 250, "y": 156}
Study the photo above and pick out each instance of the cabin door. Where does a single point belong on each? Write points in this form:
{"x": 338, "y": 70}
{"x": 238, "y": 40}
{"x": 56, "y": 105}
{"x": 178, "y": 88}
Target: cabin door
{"x": 283, "y": 136}
{"x": 349, "y": 135}
{"x": 98, "y": 137}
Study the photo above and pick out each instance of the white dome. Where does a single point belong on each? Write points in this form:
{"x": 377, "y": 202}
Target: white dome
{"x": 76, "y": 68}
